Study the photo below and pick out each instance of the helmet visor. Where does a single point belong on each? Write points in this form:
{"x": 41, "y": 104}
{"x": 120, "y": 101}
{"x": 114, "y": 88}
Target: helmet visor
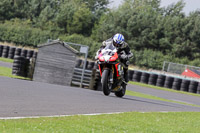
{"x": 116, "y": 44}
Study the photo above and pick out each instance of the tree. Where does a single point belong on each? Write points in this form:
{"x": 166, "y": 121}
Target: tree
{"x": 82, "y": 21}
{"x": 175, "y": 9}
{"x": 65, "y": 15}
{"x": 95, "y": 5}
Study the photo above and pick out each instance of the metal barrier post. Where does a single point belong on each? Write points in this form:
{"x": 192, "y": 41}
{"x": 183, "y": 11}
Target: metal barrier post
{"x": 84, "y": 50}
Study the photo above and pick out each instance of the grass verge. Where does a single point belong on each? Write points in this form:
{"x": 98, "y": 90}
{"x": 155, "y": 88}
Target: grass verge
{"x": 7, "y": 72}
{"x": 6, "y": 60}
{"x": 154, "y": 122}
{"x": 162, "y": 88}
{"x": 137, "y": 94}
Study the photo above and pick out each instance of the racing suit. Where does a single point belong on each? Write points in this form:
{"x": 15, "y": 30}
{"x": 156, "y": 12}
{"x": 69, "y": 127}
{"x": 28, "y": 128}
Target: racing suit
{"x": 124, "y": 54}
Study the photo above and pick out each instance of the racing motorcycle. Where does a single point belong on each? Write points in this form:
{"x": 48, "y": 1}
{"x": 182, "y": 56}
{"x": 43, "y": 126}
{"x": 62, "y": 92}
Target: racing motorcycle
{"x": 111, "y": 71}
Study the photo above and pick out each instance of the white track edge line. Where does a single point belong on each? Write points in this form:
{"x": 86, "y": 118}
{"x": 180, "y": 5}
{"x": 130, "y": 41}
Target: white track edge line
{"x": 26, "y": 117}
{"x": 30, "y": 117}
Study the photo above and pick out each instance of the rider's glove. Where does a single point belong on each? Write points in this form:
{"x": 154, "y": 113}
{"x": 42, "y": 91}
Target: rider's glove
{"x": 104, "y": 43}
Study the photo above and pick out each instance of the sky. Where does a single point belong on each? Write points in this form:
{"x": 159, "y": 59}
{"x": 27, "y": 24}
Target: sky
{"x": 191, "y": 5}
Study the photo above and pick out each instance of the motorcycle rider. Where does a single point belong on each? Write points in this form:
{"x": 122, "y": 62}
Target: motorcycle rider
{"x": 123, "y": 51}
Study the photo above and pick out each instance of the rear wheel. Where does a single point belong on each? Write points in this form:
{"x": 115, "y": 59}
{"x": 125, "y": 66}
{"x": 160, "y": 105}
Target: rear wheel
{"x": 105, "y": 83}
{"x": 122, "y": 92}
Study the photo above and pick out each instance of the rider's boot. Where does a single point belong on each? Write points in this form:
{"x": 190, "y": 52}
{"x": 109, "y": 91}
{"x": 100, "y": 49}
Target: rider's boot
{"x": 126, "y": 76}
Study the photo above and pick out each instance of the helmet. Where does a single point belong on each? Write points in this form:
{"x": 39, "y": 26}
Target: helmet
{"x": 118, "y": 40}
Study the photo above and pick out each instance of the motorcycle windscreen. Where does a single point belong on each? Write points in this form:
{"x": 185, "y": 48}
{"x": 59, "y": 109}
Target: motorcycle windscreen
{"x": 110, "y": 46}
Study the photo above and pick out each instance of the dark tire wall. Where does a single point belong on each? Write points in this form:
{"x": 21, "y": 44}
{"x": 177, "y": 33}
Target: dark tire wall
{"x": 193, "y": 87}
{"x": 1, "y": 50}
{"x": 137, "y": 76}
{"x": 198, "y": 88}
{"x": 176, "y": 84}
{"x": 169, "y": 82}
{"x": 153, "y": 79}
{"x": 130, "y": 74}
{"x": 20, "y": 66}
{"x": 165, "y": 81}
{"x": 5, "y": 51}
{"x": 10, "y": 52}
{"x": 160, "y": 80}
{"x": 185, "y": 85}
{"x": 21, "y": 59}
{"x": 144, "y": 78}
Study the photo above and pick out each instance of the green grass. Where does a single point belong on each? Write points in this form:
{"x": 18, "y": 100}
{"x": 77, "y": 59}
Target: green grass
{"x": 137, "y": 94}
{"x": 133, "y": 122}
{"x": 162, "y": 88}
{"x": 152, "y": 122}
{"x": 6, "y": 60}
{"x": 7, "y": 72}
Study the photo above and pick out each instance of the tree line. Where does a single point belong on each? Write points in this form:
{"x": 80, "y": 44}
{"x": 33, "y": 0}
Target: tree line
{"x": 155, "y": 34}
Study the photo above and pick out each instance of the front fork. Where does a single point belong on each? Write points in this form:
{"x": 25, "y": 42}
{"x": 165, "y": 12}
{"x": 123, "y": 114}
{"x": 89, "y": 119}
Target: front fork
{"x": 110, "y": 76}
{"x": 119, "y": 73}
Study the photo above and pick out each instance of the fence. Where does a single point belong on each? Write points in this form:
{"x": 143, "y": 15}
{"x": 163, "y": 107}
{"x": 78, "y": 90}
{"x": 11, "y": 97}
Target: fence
{"x": 90, "y": 78}
{"x": 177, "y": 68}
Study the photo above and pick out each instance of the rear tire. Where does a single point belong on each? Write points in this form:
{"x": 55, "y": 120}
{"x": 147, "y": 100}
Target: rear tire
{"x": 105, "y": 87}
{"x": 122, "y": 92}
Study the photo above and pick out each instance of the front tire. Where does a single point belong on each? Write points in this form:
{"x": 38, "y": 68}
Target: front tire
{"x": 105, "y": 87}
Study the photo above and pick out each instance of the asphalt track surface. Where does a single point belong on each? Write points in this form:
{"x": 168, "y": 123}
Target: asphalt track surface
{"x": 6, "y": 64}
{"x": 22, "y": 98}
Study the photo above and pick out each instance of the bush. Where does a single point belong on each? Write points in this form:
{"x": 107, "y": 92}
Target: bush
{"x": 148, "y": 59}
{"x": 20, "y": 32}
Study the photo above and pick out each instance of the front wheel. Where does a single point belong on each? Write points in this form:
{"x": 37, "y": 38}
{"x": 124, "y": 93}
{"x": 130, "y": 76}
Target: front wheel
{"x": 122, "y": 92}
{"x": 105, "y": 83}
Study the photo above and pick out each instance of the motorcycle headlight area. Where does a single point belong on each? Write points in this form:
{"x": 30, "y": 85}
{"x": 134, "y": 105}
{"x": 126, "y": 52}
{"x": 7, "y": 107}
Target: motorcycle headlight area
{"x": 107, "y": 58}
